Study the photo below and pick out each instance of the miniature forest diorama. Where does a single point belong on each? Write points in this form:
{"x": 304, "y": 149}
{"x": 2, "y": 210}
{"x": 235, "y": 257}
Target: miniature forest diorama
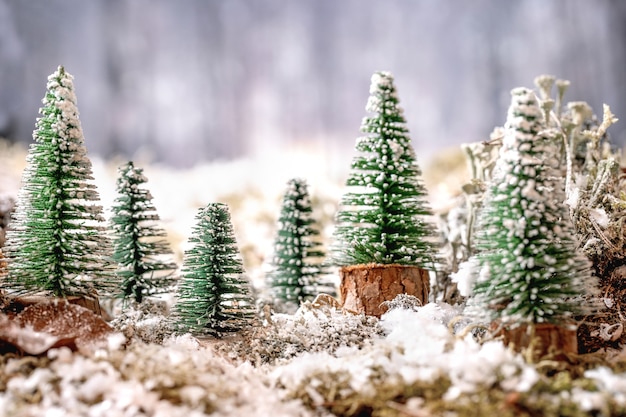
{"x": 511, "y": 303}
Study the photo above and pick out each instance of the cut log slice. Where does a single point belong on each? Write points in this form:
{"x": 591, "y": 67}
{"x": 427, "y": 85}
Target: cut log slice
{"x": 549, "y": 339}
{"x": 364, "y": 288}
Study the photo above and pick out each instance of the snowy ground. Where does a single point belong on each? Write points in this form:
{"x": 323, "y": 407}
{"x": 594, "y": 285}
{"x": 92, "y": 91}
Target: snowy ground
{"x": 319, "y": 361}
{"x": 323, "y": 363}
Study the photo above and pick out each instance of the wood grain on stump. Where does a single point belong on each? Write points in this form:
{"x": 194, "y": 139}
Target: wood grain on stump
{"x": 364, "y": 288}
{"x": 549, "y": 338}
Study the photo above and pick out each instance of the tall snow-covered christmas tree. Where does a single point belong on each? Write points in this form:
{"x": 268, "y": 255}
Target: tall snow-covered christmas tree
{"x": 382, "y": 217}
{"x": 57, "y": 242}
{"x": 296, "y": 267}
{"x": 214, "y": 297}
{"x": 382, "y": 240}
{"x": 527, "y": 269}
{"x": 140, "y": 248}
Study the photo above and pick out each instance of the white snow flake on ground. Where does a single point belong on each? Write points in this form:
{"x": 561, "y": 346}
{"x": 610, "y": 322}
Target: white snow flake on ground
{"x": 418, "y": 347}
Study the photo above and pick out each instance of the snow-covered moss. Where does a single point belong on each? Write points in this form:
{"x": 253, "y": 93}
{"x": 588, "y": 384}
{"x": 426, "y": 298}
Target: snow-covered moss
{"x": 179, "y": 379}
{"x": 310, "y": 329}
{"x": 421, "y": 368}
{"x": 431, "y": 363}
{"x": 408, "y": 363}
{"x": 146, "y": 322}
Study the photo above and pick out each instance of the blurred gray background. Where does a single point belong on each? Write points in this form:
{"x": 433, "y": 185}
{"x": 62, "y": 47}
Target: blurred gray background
{"x": 190, "y": 81}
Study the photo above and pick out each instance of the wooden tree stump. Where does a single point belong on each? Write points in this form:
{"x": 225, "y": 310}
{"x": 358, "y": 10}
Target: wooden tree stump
{"x": 365, "y": 287}
{"x": 549, "y": 338}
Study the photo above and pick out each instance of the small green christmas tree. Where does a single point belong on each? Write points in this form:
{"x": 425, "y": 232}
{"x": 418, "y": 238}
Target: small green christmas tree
{"x": 213, "y": 295}
{"x": 381, "y": 219}
{"x": 139, "y": 244}
{"x": 527, "y": 268}
{"x": 57, "y": 242}
{"x": 295, "y": 266}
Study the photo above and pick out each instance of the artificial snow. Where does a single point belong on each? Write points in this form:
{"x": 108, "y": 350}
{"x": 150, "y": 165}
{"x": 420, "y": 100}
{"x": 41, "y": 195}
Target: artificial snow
{"x": 466, "y": 276}
{"x": 609, "y": 382}
{"x": 600, "y": 217}
{"x": 418, "y": 346}
{"x": 185, "y": 376}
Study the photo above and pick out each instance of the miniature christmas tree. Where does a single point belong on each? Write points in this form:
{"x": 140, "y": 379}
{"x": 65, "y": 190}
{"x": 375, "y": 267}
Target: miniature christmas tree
{"x": 57, "y": 243}
{"x": 381, "y": 219}
{"x": 213, "y": 295}
{"x": 139, "y": 244}
{"x": 295, "y": 274}
{"x": 527, "y": 268}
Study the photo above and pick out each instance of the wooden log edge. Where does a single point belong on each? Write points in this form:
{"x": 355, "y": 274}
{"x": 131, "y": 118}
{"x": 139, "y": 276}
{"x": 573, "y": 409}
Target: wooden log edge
{"x": 557, "y": 340}
{"x": 365, "y": 287}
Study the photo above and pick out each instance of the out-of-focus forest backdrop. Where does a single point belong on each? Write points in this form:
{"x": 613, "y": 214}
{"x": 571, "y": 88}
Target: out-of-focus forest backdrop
{"x": 190, "y": 81}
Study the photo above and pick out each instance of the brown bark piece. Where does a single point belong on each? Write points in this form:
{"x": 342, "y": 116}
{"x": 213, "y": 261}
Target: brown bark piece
{"x": 52, "y": 324}
{"x": 549, "y": 338}
{"x": 364, "y": 288}
{"x": 18, "y": 304}
{"x": 78, "y": 325}
{"x": 14, "y": 338}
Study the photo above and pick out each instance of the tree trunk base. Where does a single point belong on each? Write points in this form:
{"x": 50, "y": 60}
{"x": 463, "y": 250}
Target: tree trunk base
{"x": 364, "y": 288}
{"x": 549, "y": 339}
